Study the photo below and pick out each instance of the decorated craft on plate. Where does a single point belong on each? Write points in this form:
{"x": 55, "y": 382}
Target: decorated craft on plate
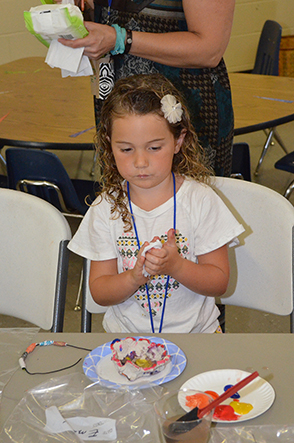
{"x": 138, "y": 358}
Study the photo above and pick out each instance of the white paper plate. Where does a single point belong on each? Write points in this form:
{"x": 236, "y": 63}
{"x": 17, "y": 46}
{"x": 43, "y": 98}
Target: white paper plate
{"x": 98, "y": 366}
{"x": 259, "y": 393}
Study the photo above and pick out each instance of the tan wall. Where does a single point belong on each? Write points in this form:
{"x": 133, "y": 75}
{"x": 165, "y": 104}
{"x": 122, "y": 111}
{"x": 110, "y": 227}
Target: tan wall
{"x": 249, "y": 18}
{"x": 16, "y": 42}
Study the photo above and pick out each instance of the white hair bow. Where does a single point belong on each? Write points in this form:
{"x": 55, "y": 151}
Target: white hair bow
{"x": 172, "y": 110}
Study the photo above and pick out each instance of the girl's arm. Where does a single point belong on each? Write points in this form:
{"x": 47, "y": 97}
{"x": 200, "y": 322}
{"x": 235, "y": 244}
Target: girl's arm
{"x": 210, "y": 276}
{"x": 203, "y": 45}
{"x": 110, "y": 288}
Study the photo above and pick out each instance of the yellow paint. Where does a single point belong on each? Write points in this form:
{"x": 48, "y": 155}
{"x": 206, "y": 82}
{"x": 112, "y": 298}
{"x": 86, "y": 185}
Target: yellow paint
{"x": 143, "y": 363}
{"x": 241, "y": 408}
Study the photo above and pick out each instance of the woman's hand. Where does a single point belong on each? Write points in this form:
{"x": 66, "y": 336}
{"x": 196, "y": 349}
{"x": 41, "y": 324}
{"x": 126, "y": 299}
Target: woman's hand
{"x": 100, "y": 40}
{"x": 78, "y": 2}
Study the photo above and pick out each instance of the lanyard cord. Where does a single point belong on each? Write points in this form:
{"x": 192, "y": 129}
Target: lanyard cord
{"x": 108, "y": 11}
{"x": 138, "y": 243}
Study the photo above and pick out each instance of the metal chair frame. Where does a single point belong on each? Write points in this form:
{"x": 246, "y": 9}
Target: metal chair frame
{"x": 23, "y": 185}
{"x": 286, "y": 163}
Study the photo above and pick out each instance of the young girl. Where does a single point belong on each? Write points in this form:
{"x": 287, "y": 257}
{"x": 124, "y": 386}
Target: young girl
{"x": 157, "y": 235}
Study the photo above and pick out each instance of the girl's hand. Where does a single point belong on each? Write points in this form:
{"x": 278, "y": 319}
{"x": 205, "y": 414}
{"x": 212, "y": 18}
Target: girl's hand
{"x": 137, "y": 271}
{"x": 100, "y": 40}
{"x": 110, "y": 288}
{"x": 209, "y": 276}
{"x": 164, "y": 260}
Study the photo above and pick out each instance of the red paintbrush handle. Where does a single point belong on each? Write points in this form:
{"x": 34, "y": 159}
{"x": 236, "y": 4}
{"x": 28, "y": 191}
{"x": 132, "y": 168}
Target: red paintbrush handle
{"x": 227, "y": 394}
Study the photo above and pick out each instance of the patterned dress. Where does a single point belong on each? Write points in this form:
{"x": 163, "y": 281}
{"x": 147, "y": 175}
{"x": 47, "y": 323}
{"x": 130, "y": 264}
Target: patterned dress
{"x": 207, "y": 91}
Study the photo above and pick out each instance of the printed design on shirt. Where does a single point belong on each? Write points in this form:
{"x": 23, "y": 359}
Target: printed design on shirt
{"x": 128, "y": 250}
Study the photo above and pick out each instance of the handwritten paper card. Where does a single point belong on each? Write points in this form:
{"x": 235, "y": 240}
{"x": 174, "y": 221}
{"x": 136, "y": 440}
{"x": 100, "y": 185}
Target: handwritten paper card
{"x": 86, "y": 428}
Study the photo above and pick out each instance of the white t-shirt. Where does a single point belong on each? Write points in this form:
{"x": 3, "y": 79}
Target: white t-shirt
{"x": 203, "y": 224}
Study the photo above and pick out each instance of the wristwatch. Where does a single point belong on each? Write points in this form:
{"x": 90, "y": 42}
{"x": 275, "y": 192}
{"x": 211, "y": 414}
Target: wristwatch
{"x": 129, "y": 41}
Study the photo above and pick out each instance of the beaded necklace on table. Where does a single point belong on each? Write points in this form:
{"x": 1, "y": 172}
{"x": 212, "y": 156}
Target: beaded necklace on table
{"x": 138, "y": 243}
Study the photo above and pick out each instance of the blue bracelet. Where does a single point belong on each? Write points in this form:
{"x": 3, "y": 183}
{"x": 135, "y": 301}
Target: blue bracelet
{"x": 120, "y": 40}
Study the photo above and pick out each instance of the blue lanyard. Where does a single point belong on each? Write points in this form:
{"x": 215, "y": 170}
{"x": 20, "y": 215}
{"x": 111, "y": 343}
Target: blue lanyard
{"x": 138, "y": 243}
{"x": 108, "y": 11}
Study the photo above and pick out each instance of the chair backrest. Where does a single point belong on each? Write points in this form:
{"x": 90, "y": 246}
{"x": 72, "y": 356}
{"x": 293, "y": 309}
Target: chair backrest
{"x": 267, "y": 56}
{"x": 34, "y": 259}
{"x": 41, "y": 173}
{"x": 261, "y": 266}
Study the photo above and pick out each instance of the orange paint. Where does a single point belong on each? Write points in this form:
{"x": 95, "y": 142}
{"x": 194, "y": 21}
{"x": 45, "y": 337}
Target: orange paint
{"x": 212, "y": 394}
{"x": 199, "y": 400}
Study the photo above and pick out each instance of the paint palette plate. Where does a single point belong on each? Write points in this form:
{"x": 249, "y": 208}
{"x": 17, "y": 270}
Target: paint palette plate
{"x": 259, "y": 393}
{"x": 99, "y": 367}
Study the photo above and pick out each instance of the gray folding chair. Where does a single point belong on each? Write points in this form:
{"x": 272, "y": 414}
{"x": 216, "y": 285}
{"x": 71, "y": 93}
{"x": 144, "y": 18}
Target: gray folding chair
{"x": 34, "y": 259}
{"x": 41, "y": 173}
{"x": 262, "y": 265}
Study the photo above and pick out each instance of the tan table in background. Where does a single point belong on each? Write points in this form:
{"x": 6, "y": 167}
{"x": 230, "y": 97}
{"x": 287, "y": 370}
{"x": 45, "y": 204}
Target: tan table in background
{"x": 261, "y": 101}
{"x": 45, "y": 108}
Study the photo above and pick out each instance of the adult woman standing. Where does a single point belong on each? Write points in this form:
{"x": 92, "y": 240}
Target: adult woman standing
{"x": 184, "y": 40}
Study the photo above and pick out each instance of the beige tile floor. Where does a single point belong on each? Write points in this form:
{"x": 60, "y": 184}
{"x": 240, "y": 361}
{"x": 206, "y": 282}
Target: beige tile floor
{"x": 79, "y": 164}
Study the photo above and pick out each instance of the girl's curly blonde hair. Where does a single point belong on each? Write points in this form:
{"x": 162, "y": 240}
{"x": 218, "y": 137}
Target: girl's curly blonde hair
{"x": 141, "y": 95}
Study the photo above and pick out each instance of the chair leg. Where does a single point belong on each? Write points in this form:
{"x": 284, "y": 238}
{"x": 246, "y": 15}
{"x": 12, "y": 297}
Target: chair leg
{"x": 2, "y": 159}
{"x": 77, "y": 305}
{"x": 237, "y": 175}
{"x": 289, "y": 190}
{"x": 280, "y": 141}
{"x": 270, "y": 136}
{"x": 92, "y": 172}
{"x": 264, "y": 150}
{"x": 86, "y": 318}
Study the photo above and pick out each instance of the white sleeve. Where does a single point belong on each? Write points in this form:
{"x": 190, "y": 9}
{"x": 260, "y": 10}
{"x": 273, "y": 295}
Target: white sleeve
{"x": 94, "y": 239}
{"x": 215, "y": 224}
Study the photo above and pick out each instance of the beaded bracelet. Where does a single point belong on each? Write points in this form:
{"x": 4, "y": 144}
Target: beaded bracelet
{"x": 120, "y": 40}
